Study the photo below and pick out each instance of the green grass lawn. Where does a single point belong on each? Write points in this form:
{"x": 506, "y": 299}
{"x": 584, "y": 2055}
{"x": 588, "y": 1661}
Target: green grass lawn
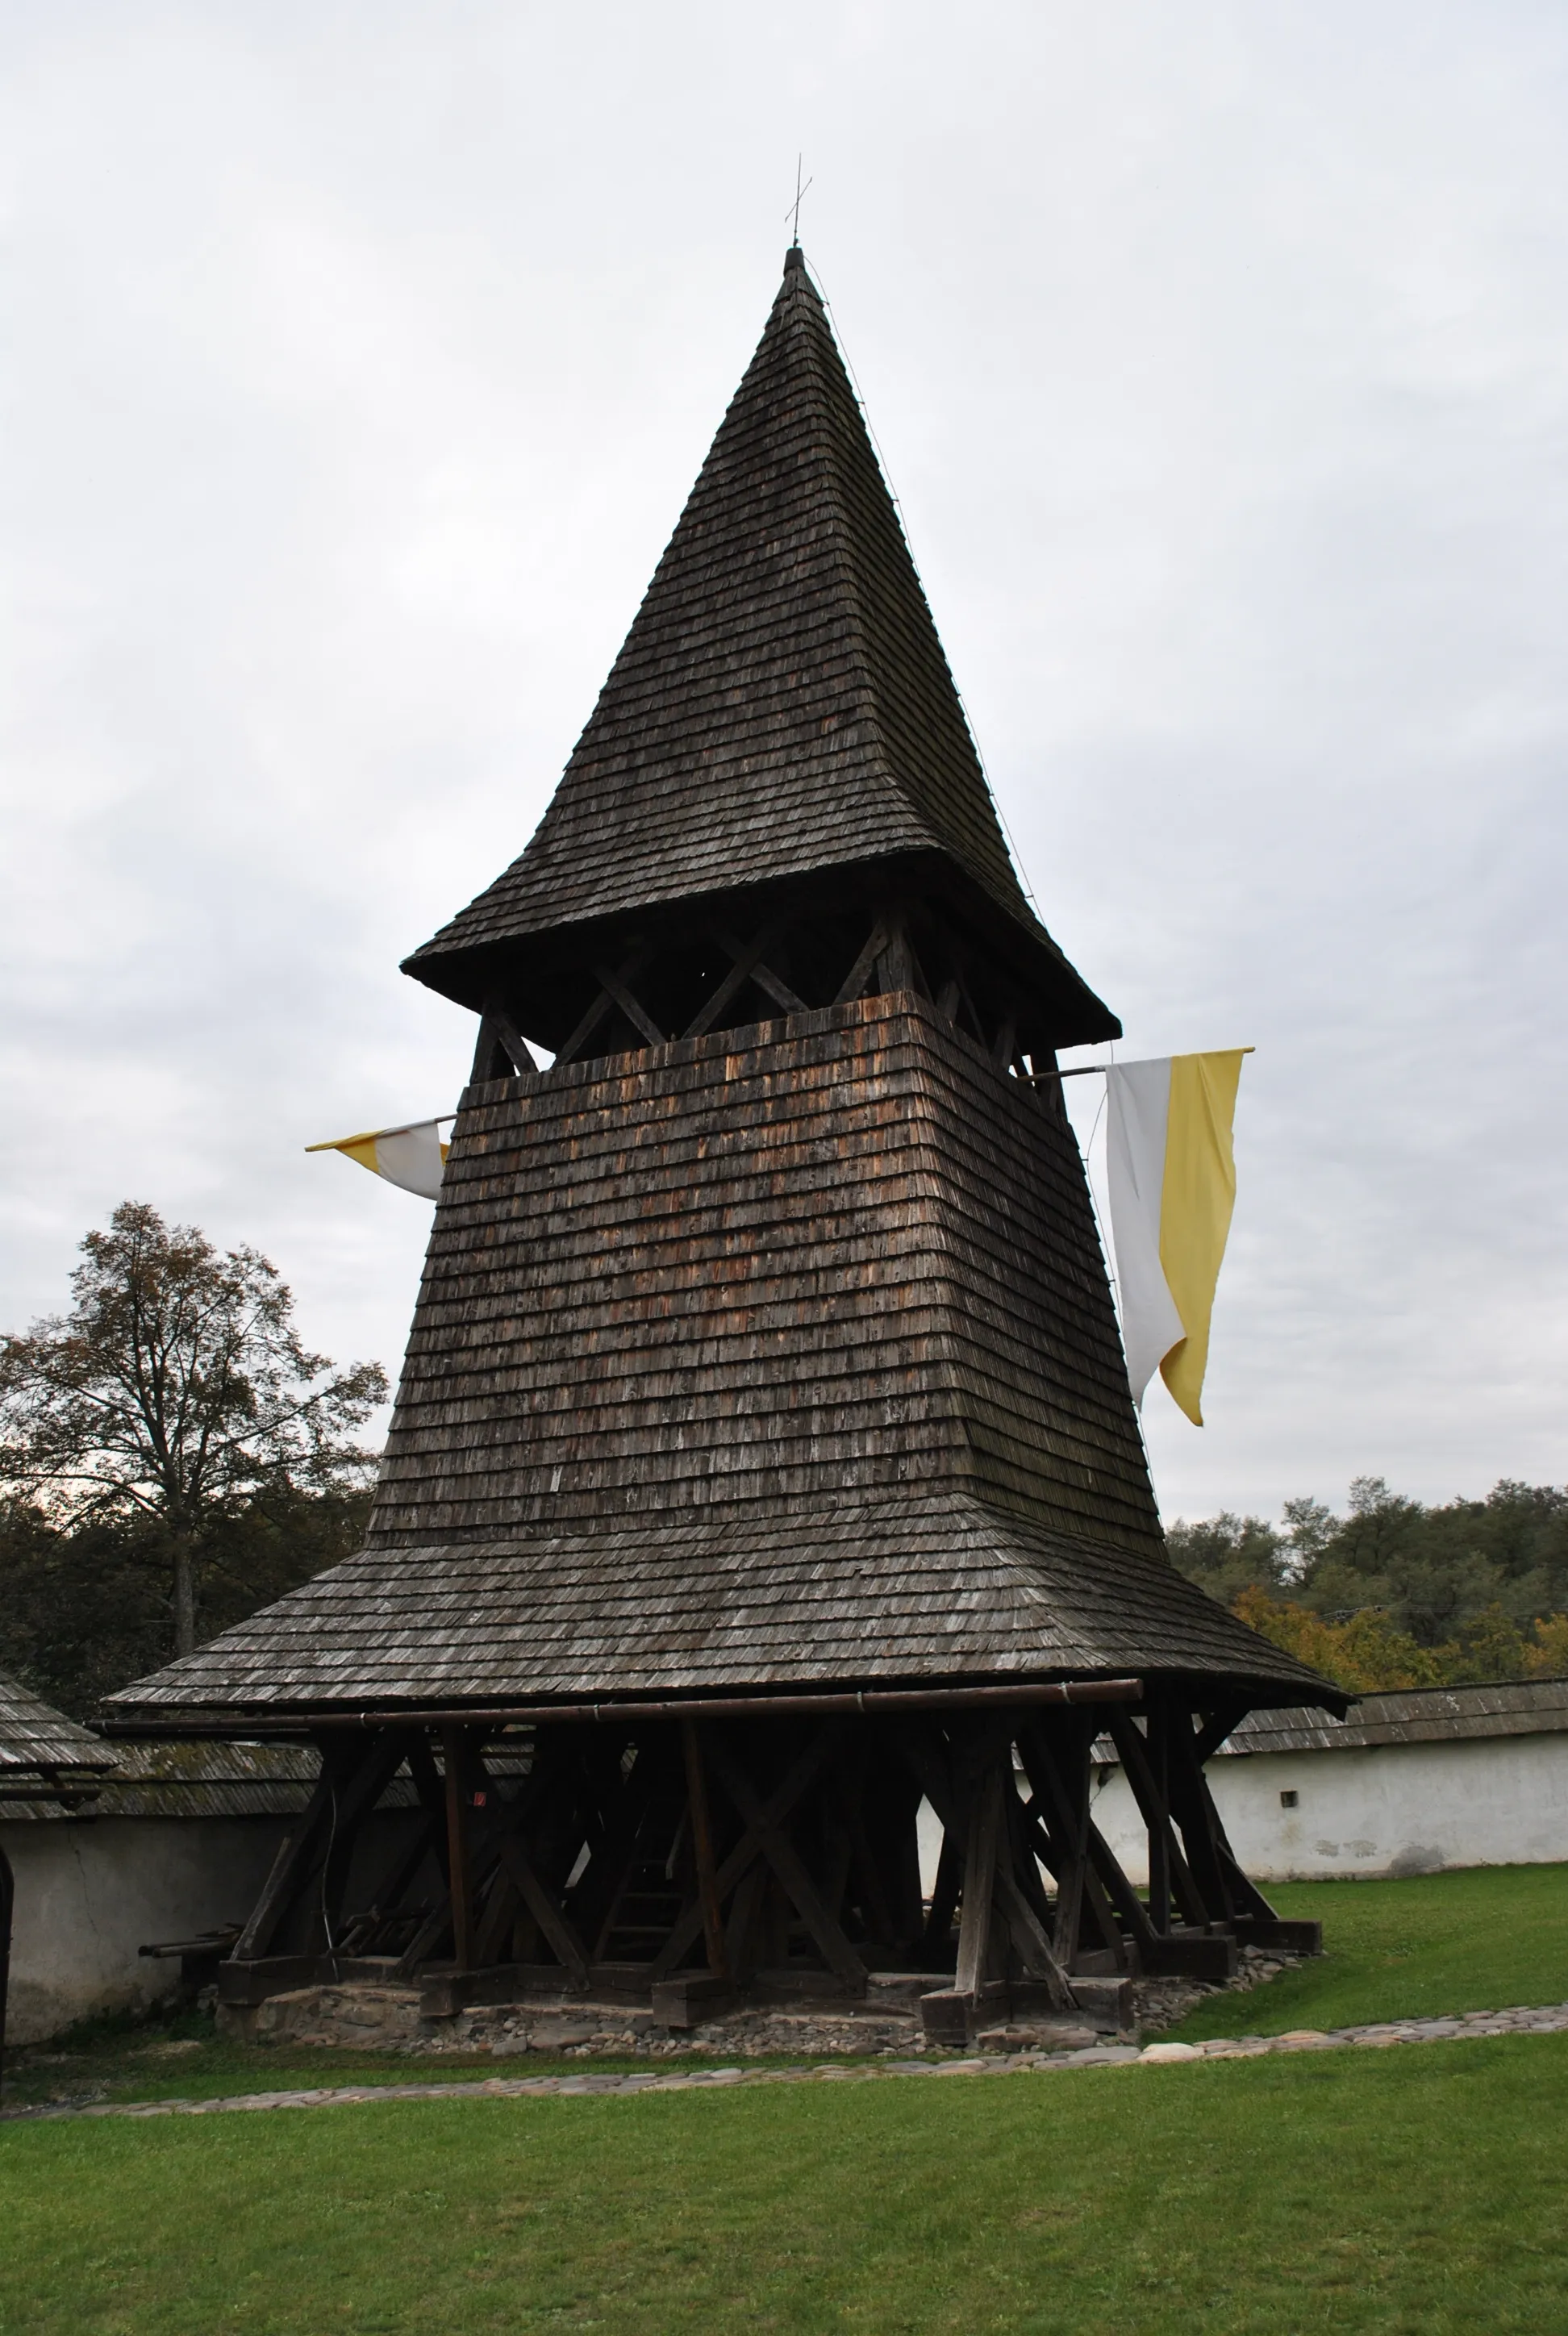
{"x": 1462, "y": 1941}
{"x": 1416, "y": 2191}
{"x": 1472, "y": 1940}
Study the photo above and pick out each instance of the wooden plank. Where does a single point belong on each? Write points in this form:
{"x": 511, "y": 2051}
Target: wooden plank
{"x": 702, "y": 1849}
{"x": 782, "y": 1854}
{"x": 1239, "y": 1895}
{"x": 498, "y": 1030}
{"x": 1218, "y": 1724}
{"x": 1195, "y": 1813}
{"x": 277, "y": 1890}
{"x": 736, "y": 979}
{"x": 979, "y": 1886}
{"x": 859, "y": 974}
{"x": 763, "y": 974}
{"x": 1035, "y": 1951}
{"x": 571, "y": 1046}
{"x": 543, "y": 1907}
{"x": 425, "y": 1940}
{"x": 635, "y": 1014}
{"x": 1139, "y": 1772}
{"x": 738, "y": 1957}
{"x": 459, "y": 1878}
{"x": 346, "y": 1791}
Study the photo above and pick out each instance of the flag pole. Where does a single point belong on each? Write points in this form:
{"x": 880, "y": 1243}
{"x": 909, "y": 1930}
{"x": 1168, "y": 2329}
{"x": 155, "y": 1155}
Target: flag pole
{"x": 1087, "y": 1070}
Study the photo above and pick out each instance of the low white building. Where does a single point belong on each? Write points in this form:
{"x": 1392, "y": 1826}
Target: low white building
{"x": 110, "y": 1848}
{"x": 1407, "y": 1783}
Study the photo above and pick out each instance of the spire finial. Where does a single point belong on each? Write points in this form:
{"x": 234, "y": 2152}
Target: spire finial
{"x": 793, "y": 212}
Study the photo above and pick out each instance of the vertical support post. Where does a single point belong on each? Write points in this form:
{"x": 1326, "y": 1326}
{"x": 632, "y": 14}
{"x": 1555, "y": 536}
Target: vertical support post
{"x": 1070, "y": 1880}
{"x": 1159, "y": 1838}
{"x": 702, "y": 1849}
{"x": 979, "y": 1885}
{"x": 452, "y": 1751}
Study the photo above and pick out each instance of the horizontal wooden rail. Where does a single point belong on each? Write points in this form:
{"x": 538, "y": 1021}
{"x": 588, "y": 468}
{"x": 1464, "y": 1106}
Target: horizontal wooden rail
{"x": 869, "y": 1701}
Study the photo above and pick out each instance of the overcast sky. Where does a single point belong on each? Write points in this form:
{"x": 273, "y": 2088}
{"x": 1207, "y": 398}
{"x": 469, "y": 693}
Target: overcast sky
{"x": 358, "y": 361}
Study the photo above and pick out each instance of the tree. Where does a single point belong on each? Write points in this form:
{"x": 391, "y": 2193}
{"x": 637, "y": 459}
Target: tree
{"x": 1227, "y": 1554}
{"x": 175, "y": 1398}
{"x": 1363, "y": 1653}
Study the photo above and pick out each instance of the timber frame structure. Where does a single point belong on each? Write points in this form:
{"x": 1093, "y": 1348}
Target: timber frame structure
{"x": 763, "y": 1469}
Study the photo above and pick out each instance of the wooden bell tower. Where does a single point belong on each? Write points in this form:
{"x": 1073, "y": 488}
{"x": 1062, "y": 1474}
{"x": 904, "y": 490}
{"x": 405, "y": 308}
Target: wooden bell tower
{"x": 763, "y": 1467}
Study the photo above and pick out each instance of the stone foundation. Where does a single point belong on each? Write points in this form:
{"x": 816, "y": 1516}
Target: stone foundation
{"x": 365, "y": 2016}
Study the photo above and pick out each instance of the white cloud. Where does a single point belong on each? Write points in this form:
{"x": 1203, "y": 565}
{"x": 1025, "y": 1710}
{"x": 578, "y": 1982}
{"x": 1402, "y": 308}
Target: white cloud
{"x": 362, "y": 357}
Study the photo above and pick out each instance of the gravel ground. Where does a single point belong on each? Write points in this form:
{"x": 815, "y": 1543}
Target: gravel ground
{"x": 1547, "y": 2019}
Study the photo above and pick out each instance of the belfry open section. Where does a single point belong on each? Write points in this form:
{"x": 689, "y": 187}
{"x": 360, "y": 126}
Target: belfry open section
{"x": 763, "y": 1469}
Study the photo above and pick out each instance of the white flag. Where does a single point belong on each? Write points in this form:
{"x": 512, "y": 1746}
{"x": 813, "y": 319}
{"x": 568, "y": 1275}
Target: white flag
{"x": 412, "y": 1157}
{"x": 1173, "y": 1176}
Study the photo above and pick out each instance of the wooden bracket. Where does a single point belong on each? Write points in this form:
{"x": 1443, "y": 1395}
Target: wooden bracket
{"x": 775, "y": 1845}
{"x": 498, "y": 1033}
{"x": 631, "y": 965}
{"x": 763, "y": 975}
{"x": 1139, "y": 1772}
{"x": 746, "y": 958}
{"x": 860, "y": 973}
{"x": 796, "y": 1784}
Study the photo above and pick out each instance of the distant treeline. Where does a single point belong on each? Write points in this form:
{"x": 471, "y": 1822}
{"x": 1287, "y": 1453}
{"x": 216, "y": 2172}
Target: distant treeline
{"x": 1395, "y": 1594}
{"x": 86, "y": 1610}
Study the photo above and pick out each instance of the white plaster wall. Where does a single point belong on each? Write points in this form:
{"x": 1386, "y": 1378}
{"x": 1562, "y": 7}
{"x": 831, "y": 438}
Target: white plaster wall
{"x": 1387, "y": 1809}
{"x": 90, "y": 1894}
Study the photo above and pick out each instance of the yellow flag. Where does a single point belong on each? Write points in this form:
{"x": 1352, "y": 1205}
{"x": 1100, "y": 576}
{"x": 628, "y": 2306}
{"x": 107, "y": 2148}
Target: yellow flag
{"x": 1198, "y": 1196}
{"x": 1173, "y": 1178}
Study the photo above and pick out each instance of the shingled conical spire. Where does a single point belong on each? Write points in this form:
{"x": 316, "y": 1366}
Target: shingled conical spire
{"x": 781, "y": 709}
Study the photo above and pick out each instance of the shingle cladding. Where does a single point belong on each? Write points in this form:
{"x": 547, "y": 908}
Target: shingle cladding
{"x": 772, "y": 1357}
{"x": 36, "y": 1739}
{"x": 782, "y": 705}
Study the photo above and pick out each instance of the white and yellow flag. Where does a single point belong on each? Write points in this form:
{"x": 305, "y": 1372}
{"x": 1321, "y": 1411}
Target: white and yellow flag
{"x": 1172, "y": 1179}
{"x": 413, "y": 1156}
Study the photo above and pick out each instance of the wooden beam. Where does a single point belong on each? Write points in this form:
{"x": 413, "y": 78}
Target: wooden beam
{"x": 736, "y": 979}
{"x": 787, "y": 1862}
{"x": 497, "y": 1029}
{"x": 459, "y": 1877}
{"x": 860, "y": 973}
{"x": 702, "y": 1850}
{"x": 280, "y": 1889}
{"x": 541, "y": 1905}
{"x": 743, "y": 1908}
{"x": 763, "y": 975}
{"x": 345, "y": 1792}
{"x": 635, "y": 1014}
{"x": 979, "y": 1886}
{"x": 1035, "y": 1950}
{"x": 799, "y": 1781}
{"x": 1217, "y": 1726}
{"x": 1238, "y": 1892}
{"x": 1139, "y": 1772}
{"x": 572, "y": 1046}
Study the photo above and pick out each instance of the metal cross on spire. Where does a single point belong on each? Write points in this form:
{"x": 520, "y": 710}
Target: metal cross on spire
{"x": 794, "y": 213}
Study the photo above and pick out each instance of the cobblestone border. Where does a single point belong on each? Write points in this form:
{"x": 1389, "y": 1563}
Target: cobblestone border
{"x": 1548, "y": 2019}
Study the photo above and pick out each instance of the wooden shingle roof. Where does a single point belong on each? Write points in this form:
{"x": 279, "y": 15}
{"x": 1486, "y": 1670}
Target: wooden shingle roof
{"x": 1421, "y": 1715}
{"x": 781, "y": 706}
{"x": 37, "y": 1741}
{"x": 759, "y": 1360}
